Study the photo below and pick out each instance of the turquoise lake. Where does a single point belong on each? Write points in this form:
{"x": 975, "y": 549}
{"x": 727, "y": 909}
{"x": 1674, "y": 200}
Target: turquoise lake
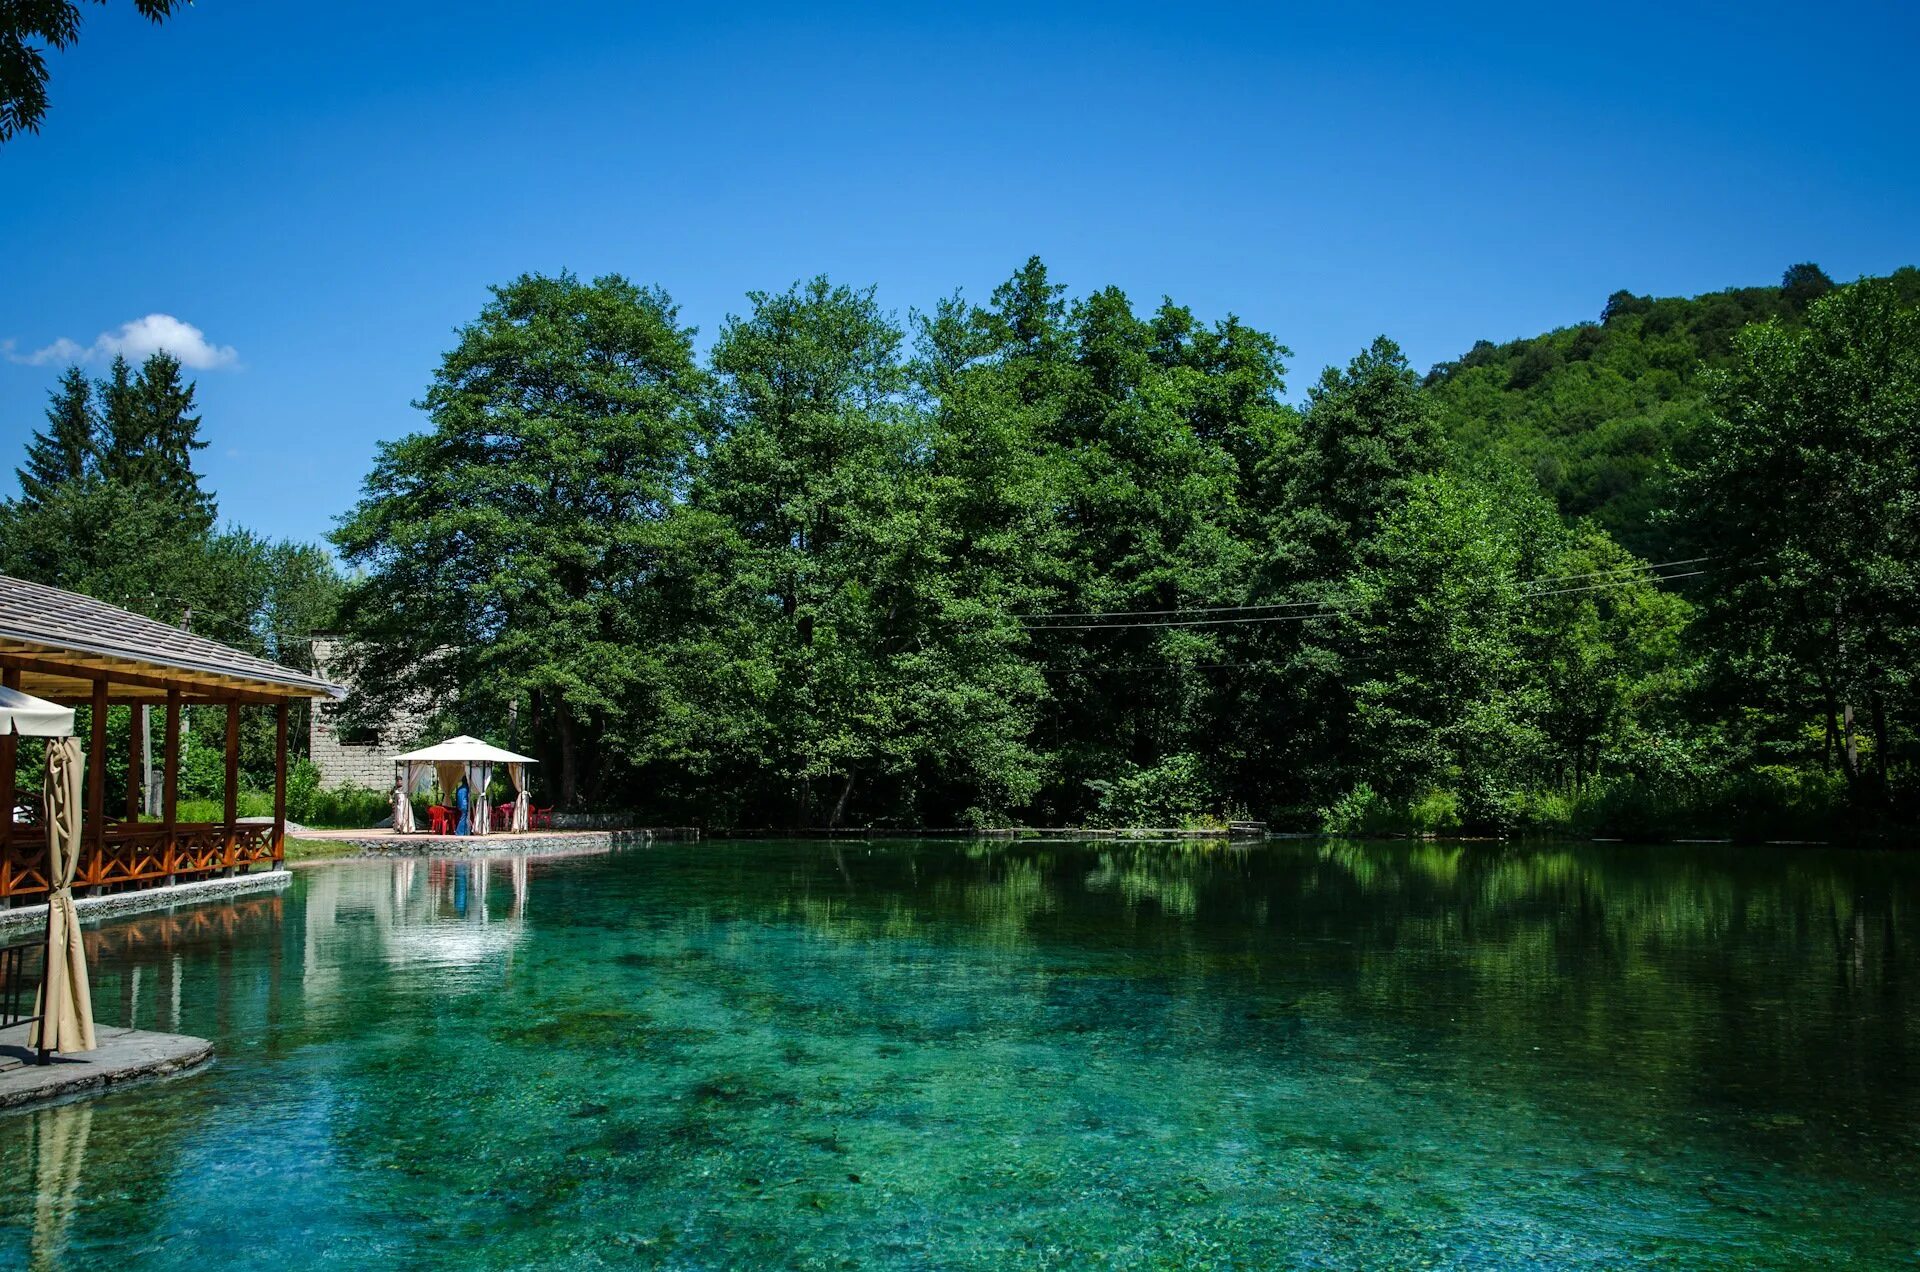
{"x": 1011, "y": 1055}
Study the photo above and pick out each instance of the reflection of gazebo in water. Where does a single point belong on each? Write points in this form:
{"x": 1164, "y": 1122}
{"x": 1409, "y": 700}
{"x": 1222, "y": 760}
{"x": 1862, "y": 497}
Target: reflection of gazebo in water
{"x": 447, "y": 762}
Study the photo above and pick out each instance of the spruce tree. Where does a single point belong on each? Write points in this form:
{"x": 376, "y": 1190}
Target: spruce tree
{"x": 63, "y": 452}
{"x": 149, "y": 432}
{"x": 122, "y": 431}
{"x": 171, "y": 434}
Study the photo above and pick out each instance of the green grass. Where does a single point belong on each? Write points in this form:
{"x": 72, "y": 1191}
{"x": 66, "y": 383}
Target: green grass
{"x": 249, "y": 803}
{"x": 345, "y": 809}
{"x": 318, "y": 849}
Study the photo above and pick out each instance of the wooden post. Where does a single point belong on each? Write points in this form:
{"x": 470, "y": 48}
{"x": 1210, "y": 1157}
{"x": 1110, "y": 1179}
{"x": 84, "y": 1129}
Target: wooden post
{"x": 136, "y": 748}
{"x": 97, "y": 783}
{"x": 170, "y": 782}
{"x": 9, "y": 758}
{"x": 149, "y": 801}
{"x": 232, "y": 808}
{"x": 279, "y": 785}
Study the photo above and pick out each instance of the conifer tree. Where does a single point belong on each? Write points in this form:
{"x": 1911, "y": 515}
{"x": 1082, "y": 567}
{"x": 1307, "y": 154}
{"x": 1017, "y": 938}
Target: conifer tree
{"x": 63, "y": 452}
{"x": 170, "y": 434}
{"x": 122, "y": 430}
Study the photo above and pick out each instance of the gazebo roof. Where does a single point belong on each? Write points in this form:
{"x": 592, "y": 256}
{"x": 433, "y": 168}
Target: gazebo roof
{"x": 463, "y": 749}
{"x": 61, "y": 640}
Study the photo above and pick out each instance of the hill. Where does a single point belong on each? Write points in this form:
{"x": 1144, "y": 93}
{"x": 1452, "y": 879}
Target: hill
{"x": 1595, "y": 410}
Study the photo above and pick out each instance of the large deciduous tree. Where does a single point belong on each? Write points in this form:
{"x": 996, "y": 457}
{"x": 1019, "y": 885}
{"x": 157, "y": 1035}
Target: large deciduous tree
{"x": 1804, "y": 489}
{"x": 860, "y": 627}
{"x": 510, "y": 552}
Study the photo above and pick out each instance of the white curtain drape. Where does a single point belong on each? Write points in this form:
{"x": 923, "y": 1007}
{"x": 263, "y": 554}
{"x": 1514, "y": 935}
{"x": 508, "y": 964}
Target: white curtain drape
{"x": 479, "y": 773}
{"x": 403, "y": 798}
{"x": 66, "y": 1007}
{"x": 522, "y": 802}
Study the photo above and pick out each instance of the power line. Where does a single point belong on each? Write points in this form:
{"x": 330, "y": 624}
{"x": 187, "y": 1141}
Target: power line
{"x": 1636, "y": 570}
{"x": 1198, "y": 622}
{"x": 1331, "y": 610}
{"x": 1658, "y": 578}
{"x": 1189, "y": 609}
{"x": 1625, "y": 569}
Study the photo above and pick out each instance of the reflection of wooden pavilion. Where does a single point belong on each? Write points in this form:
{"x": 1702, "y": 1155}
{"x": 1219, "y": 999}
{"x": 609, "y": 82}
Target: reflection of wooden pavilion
{"x": 71, "y": 649}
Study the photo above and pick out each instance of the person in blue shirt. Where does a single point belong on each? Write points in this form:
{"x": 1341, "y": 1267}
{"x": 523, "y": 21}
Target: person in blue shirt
{"x": 460, "y": 804}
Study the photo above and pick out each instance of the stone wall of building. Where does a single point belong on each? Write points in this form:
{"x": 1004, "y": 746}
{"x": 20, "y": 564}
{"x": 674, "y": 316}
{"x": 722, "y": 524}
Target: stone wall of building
{"x": 348, "y": 757}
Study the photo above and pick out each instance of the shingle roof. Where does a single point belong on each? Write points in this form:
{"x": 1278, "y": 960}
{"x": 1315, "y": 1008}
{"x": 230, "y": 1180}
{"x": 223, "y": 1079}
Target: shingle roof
{"x": 51, "y": 619}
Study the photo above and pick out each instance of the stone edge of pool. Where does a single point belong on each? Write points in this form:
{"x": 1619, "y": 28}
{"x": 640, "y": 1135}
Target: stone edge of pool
{"x": 180, "y": 894}
{"x": 124, "y": 1057}
{"x": 385, "y": 843}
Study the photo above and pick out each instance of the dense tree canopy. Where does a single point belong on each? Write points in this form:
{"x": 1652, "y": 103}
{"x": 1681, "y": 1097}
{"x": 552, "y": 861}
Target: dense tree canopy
{"x": 1063, "y": 560}
{"x": 1804, "y": 486}
{"x": 1594, "y": 411}
{"x": 1067, "y": 560}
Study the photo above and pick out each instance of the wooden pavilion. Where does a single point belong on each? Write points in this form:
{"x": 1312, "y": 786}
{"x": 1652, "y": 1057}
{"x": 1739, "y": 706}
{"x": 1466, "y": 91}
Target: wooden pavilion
{"x": 74, "y": 650}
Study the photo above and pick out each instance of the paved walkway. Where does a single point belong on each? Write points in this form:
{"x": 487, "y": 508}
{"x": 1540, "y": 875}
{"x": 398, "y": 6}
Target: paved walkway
{"x": 124, "y": 1056}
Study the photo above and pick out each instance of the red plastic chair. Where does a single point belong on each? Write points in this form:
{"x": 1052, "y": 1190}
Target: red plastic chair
{"x": 440, "y": 820}
{"x": 540, "y": 817}
{"x": 502, "y": 816}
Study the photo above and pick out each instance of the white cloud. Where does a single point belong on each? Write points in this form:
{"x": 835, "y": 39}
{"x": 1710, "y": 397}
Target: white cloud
{"x": 135, "y": 340}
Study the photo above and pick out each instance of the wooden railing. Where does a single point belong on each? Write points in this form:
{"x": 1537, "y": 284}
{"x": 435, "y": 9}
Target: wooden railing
{"x": 137, "y": 855}
{"x": 20, "y": 967}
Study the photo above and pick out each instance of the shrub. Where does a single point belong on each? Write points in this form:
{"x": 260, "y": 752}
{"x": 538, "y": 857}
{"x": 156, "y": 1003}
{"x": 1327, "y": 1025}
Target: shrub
{"x": 1174, "y": 792}
{"x": 1776, "y": 801}
{"x": 1361, "y": 811}
{"x": 1486, "y": 805}
{"x": 203, "y": 773}
{"x": 249, "y": 804}
{"x": 348, "y": 807}
{"x": 303, "y": 786}
{"x": 307, "y": 803}
{"x": 1364, "y": 811}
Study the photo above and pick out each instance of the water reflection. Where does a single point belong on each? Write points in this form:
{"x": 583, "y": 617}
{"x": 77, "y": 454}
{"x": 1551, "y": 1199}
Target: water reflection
{"x": 441, "y": 912}
{"x": 1003, "y": 1054}
{"x": 435, "y": 913}
{"x": 139, "y": 960}
{"x": 56, "y": 1147}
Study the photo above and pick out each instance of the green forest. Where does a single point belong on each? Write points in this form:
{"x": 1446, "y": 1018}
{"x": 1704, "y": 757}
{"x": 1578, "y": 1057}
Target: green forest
{"x": 1059, "y": 559}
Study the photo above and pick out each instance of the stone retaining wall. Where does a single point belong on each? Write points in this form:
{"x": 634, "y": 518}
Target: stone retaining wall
{"x": 193, "y": 893}
{"x": 485, "y": 845}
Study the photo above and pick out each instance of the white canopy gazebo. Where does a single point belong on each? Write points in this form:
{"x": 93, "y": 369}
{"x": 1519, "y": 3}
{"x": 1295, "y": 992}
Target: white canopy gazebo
{"x": 65, "y": 1009}
{"x": 24, "y": 716}
{"x": 451, "y": 760}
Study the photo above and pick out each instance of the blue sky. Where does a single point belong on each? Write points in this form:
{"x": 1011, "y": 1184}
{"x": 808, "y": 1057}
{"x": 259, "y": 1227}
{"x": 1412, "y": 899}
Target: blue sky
{"x": 325, "y": 191}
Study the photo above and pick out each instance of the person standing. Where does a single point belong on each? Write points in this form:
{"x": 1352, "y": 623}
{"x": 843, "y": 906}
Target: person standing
{"x": 460, "y": 798}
